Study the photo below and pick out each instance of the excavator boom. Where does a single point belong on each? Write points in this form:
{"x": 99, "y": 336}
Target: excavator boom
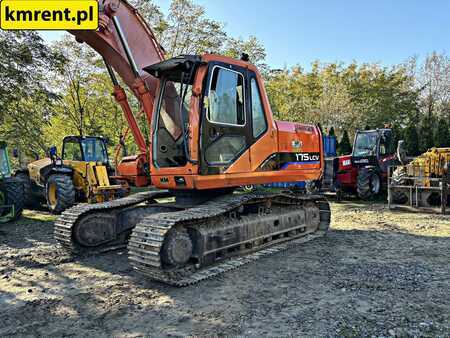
{"x": 126, "y": 43}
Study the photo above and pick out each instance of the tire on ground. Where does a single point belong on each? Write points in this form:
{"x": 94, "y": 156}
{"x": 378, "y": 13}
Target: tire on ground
{"x": 13, "y": 190}
{"x": 59, "y": 193}
{"x": 399, "y": 197}
{"x": 364, "y": 183}
{"x": 430, "y": 199}
{"x": 399, "y": 177}
{"x": 29, "y": 199}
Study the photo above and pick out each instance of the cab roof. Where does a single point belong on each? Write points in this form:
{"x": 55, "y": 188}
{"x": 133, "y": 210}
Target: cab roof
{"x": 174, "y": 68}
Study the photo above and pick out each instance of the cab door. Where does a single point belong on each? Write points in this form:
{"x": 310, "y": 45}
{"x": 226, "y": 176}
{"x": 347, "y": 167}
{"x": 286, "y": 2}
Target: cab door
{"x": 264, "y": 143}
{"x": 225, "y": 132}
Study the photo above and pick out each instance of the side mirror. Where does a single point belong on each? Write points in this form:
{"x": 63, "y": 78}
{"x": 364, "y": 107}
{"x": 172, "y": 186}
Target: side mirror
{"x": 401, "y": 152}
{"x": 15, "y": 153}
{"x": 53, "y": 151}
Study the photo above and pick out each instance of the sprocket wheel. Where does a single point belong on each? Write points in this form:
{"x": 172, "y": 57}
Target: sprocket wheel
{"x": 177, "y": 248}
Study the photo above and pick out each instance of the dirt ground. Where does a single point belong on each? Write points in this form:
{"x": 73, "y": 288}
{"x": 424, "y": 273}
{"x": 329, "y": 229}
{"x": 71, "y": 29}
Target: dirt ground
{"x": 377, "y": 273}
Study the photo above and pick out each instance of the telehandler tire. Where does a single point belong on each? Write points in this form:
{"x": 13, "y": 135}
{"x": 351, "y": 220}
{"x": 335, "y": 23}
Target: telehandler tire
{"x": 368, "y": 184}
{"x": 59, "y": 193}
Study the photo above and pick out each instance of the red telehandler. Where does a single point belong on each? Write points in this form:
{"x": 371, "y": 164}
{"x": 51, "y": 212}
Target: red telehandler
{"x": 211, "y": 131}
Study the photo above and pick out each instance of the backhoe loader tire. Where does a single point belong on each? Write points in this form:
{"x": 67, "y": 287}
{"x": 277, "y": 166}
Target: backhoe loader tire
{"x": 368, "y": 184}
{"x": 59, "y": 193}
{"x": 29, "y": 199}
{"x": 13, "y": 191}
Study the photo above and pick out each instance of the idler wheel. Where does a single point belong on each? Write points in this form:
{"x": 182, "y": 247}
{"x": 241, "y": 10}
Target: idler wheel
{"x": 177, "y": 249}
{"x": 95, "y": 230}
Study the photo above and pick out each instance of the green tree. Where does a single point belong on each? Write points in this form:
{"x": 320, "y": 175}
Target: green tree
{"x": 331, "y": 132}
{"x": 253, "y": 47}
{"x": 26, "y": 103}
{"x": 347, "y": 97}
{"x": 345, "y": 147}
{"x": 427, "y": 134}
{"x": 186, "y": 29}
{"x": 85, "y": 104}
{"x": 411, "y": 138}
{"x": 441, "y": 136}
{"x": 398, "y": 133}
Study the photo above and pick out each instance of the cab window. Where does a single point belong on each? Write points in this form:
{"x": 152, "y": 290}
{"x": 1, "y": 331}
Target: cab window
{"x": 72, "y": 151}
{"x": 226, "y": 98}
{"x": 258, "y": 117}
{"x": 94, "y": 150}
{"x": 225, "y": 150}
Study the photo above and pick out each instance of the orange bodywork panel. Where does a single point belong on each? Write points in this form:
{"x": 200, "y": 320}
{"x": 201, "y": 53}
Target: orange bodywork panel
{"x": 132, "y": 169}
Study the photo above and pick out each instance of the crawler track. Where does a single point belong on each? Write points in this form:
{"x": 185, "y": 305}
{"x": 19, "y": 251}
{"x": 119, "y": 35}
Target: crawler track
{"x": 148, "y": 238}
{"x": 67, "y": 222}
{"x": 259, "y": 224}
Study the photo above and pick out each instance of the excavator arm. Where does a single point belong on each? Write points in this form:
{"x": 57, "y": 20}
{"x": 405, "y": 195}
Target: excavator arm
{"x": 127, "y": 45}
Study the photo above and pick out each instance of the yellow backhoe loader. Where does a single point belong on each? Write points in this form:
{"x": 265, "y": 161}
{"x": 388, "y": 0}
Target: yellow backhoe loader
{"x": 81, "y": 175}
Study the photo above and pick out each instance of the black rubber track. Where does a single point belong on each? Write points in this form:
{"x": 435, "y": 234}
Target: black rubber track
{"x": 65, "y": 193}
{"x": 149, "y": 236}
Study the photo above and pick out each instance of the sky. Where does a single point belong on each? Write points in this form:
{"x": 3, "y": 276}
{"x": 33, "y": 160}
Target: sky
{"x": 298, "y": 32}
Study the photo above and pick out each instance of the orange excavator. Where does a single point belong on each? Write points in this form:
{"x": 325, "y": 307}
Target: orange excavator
{"x": 211, "y": 131}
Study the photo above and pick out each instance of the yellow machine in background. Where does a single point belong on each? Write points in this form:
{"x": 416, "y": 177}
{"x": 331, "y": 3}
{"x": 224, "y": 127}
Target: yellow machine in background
{"x": 82, "y": 174}
{"x": 93, "y": 179}
{"x": 431, "y": 164}
{"x": 422, "y": 183}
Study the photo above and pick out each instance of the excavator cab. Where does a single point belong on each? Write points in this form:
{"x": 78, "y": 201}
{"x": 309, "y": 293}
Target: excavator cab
{"x": 212, "y": 117}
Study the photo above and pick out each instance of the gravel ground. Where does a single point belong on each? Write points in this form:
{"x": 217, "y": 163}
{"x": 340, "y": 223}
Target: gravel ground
{"x": 378, "y": 273}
